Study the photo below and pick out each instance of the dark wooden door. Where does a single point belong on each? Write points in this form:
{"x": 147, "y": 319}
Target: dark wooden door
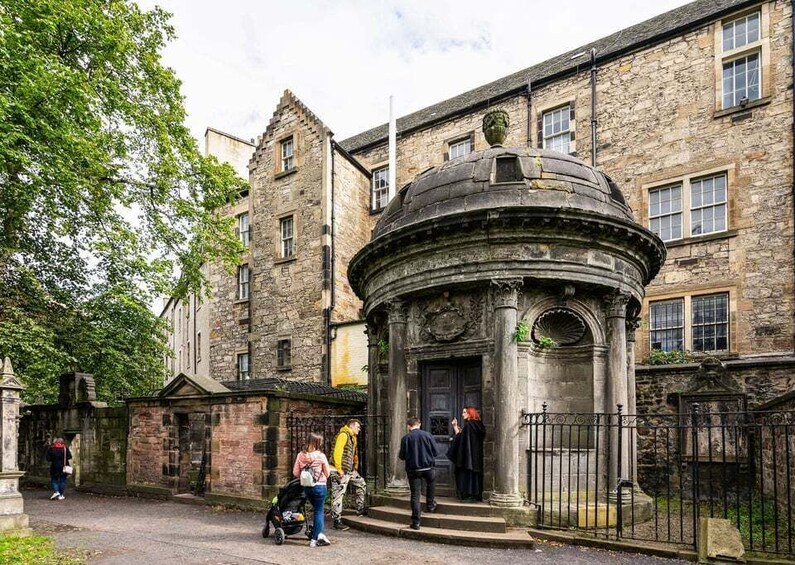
{"x": 447, "y": 386}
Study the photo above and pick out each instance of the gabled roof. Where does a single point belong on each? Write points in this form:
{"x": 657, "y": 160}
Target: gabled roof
{"x": 184, "y": 385}
{"x": 290, "y": 100}
{"x": 631, "y": 39}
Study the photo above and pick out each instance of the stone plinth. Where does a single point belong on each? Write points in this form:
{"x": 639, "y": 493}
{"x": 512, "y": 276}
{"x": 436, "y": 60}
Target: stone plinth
{"x": 13, "y": 521}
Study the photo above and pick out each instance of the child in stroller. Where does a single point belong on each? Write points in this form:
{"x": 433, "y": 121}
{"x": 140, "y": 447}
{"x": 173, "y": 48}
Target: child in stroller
{"x": 287, "y": 513}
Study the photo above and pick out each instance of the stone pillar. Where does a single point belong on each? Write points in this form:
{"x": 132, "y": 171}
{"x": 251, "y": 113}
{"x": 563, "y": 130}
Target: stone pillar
{"x": 396, "y": 393}
{"x": 632, "y": 405}
{"x": 373, "y": 439}
{"x": 12, "y": 519}
{"x": 616, "y": 310}
{"x": 506, "y": 383}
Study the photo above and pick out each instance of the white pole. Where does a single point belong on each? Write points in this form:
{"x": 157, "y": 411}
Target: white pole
{"x": 392, "y": 150}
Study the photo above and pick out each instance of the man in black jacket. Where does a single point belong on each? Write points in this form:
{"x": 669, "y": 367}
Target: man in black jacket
{"x": 418, "y": 450}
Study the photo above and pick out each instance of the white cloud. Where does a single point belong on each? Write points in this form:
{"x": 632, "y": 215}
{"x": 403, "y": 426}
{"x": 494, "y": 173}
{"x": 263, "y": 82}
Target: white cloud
{"x": 344, "y": 58}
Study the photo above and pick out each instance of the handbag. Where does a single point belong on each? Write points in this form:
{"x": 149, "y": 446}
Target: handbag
{"x": 67, "y": 469}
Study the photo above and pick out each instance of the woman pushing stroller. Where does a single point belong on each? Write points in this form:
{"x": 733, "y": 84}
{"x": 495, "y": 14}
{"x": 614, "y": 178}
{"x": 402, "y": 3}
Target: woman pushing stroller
{"x": 313, "y": 459}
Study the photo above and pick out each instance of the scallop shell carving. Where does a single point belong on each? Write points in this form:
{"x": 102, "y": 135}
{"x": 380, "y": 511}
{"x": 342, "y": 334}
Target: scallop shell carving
{"x": 564, "y": 327}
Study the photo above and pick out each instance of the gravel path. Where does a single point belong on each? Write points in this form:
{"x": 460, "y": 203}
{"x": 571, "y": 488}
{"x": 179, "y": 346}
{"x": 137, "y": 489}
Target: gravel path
{"x": 147, "y": 532}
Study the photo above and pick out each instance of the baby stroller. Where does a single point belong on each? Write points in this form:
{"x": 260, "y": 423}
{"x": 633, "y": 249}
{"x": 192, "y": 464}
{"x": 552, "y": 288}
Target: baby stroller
{"x": 287, "y": 513}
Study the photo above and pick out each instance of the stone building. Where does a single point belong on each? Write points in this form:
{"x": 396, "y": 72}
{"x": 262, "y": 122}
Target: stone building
{"x": 689, "y": 112}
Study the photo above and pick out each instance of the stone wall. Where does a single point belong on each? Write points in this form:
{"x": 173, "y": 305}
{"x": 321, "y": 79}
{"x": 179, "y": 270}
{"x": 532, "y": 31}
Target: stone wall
{"x": 287, "y": 293}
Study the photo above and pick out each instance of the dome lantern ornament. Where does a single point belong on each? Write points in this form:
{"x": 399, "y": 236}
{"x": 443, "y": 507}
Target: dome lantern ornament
{"x": 495, "y": 126}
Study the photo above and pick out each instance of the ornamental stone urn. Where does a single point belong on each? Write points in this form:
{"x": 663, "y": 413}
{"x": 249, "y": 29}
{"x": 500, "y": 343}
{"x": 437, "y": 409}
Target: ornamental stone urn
{"x": 495, "y": 126}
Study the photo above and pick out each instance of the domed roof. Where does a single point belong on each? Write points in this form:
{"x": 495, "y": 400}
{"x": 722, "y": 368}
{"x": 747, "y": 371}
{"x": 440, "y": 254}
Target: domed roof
{"x": 500, "y": 178}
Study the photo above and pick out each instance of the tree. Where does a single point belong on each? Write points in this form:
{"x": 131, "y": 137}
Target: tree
{"x": 104, "y": 194}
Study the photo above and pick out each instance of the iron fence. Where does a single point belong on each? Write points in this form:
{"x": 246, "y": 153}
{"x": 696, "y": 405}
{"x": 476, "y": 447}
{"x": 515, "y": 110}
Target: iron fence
{"x": 371, "y": 441}
{"x": 651, "y": 477}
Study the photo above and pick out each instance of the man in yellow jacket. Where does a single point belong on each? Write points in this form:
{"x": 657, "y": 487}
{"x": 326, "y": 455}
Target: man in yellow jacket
{"x": 345, "y": 470}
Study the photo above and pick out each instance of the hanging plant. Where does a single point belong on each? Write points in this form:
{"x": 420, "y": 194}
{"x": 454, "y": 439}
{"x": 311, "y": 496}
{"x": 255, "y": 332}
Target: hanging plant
{"x": 521, "y": 333}
{"x": 383, "y": 346}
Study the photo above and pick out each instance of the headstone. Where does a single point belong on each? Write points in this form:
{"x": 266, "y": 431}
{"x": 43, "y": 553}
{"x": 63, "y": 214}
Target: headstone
{"x": 719, "y": 541}
{"x": 13, "y": 521}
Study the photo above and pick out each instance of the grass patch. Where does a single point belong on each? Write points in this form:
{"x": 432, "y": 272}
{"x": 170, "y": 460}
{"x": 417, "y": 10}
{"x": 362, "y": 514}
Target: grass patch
{"x": 35, "y": 549}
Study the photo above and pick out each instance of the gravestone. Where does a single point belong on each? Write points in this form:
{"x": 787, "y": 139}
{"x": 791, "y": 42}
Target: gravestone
{"x": 13, "y": 521}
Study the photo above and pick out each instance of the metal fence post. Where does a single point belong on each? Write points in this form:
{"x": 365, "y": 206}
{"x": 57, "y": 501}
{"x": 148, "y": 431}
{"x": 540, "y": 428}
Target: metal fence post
{"x": 694, "y": 418}
{"x": 619, "y": 482}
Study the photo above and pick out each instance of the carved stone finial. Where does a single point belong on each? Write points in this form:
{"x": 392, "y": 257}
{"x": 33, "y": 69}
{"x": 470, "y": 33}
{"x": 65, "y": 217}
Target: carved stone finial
{"x": 495, "y": 126}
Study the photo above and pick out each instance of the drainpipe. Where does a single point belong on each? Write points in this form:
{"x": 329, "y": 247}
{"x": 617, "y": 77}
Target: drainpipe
{"x": 593, "y": 107}
{"x": 530, "y": 107}
{"x": 792, "y": 78}
{"x": 331, "y": 259}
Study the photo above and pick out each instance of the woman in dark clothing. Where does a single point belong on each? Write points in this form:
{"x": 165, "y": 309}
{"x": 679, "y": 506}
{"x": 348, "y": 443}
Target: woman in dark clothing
{"x": 466, "y": 453}
{"x": 59, "y": 456}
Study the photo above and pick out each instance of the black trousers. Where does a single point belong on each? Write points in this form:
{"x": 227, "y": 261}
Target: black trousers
{"x": 415, "y": 484}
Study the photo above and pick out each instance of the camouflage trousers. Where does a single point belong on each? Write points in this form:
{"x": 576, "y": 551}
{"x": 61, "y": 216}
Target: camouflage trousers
{"x": 338, "y": 488}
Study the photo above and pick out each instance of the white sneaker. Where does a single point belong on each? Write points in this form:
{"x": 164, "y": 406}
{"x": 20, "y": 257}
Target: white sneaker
{"x": 61, "y": 497}
{"x": 313, "y": 543}
{"x": 54, "y": 496}
{"x": 322, "y": 540}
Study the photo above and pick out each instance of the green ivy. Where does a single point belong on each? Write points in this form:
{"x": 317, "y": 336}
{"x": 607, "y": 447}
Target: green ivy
{"x": 545, "y": 342}
{"x": 660, "y": 357}
{"x": 383, "y": 346}
{"x": 521, "y": 333}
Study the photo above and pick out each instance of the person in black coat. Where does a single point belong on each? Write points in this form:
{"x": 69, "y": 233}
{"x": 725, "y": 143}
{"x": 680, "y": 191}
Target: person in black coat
{"x": 59, "y": 456}
{"x": 418, "y": 450}
{"x": 466, "y": 454}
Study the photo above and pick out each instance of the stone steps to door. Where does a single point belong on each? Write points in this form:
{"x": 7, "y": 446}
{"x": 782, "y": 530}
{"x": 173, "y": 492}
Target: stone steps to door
{"x": 514, "y": 538}
{"x": 440, "y": 520}
{"x": 443, "y": 506}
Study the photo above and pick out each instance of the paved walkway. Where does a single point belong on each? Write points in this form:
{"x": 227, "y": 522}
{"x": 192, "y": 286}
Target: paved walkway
{"x": 147, "y": 532}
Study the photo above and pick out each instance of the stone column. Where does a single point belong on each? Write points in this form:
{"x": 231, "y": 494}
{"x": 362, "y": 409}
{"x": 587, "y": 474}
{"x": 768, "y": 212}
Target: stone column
{"x": 616, "y": 310}
{"x": 396, "y": 393}
{"x": 373, "y": 439}
{"x": 12, "y": 519}
{"x": 632, "y": 406}
{"x": 506, "y": 383}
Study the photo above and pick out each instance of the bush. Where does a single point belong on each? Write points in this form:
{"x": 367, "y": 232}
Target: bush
{"x": 660, "y": 357}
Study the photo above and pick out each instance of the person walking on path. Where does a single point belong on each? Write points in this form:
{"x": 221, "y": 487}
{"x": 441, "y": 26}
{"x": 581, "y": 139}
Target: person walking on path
{"x": 313, "y": 459}
{"x": 345, "y": 471}
{"x": 59, "y": 456}
{"x": 418, "y": 450}
{"x": 466, "y": 453}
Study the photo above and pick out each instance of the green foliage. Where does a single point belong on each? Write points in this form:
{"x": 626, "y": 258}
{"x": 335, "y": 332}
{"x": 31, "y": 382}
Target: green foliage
{"x": 521, "y": 333}
{"x": 383, "y": 346}
{"x": 105, "y": 198}
{"x": 35, "y": 549}
{"x": 545, "y": 342}
{"x": 660, "y": 357}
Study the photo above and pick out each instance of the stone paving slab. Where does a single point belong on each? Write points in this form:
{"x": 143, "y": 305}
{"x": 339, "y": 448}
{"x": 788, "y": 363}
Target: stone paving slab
{"x": 122, "y": 530}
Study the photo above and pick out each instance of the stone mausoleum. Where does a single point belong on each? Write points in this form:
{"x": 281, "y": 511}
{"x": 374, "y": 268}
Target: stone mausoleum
{"x": 504, "y": 279}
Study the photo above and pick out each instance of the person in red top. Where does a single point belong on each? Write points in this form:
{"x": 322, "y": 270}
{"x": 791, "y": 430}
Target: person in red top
{"x": 59, "y": 456}
{"x": 314, "y": 458}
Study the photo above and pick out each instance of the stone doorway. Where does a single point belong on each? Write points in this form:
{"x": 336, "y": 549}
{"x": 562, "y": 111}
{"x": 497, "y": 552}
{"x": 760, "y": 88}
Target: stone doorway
{"x": 191, "y": 430}
{"x": 447, "y": 386}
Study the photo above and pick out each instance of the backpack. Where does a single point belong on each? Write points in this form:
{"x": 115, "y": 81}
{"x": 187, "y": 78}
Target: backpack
{"x": 307, "y": 477}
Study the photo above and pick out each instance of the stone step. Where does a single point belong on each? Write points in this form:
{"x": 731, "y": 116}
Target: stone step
{"x": 439, "y": 520}
{"x": 513, "y": 538}
{"x": 443, "y": 506}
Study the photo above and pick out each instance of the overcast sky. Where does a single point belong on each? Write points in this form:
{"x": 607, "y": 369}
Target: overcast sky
{"x": 343, "y": 58}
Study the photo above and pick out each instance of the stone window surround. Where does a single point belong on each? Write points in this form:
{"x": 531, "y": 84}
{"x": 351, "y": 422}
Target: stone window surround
{"x": 377, "y": 168}
{"x": 687, "y": 296}
{"x": 287, "y": 154}
{"x": 685, "y": 180}
{"x": 551, "y": 107}
{"x": 469, "y": 136}
{"x": 282, "y": 363}
{"x": 240, "y": 298}
{"x": 246, "y": 241}
{"x": 277, "y": 257}
{"x": 298, "y": 156}
{"x": 198, "y": 355}
{"x": 239, "y": 353}
{"x": 762, "y": 47}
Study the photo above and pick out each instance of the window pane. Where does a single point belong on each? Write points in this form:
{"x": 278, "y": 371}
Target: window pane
{"x": 667, "y": 324}
{"x": 557, "y": 136}
{"x": 710, "y": 322}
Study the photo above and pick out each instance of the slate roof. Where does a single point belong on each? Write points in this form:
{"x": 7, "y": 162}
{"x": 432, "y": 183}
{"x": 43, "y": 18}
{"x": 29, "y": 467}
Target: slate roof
{"x": 646, "y": 33}
{"x": 302, "y": 387}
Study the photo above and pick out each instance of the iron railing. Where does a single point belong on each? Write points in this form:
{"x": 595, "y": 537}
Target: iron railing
{"x": 581, "y": 474}
{"x": 371, "y": 441}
